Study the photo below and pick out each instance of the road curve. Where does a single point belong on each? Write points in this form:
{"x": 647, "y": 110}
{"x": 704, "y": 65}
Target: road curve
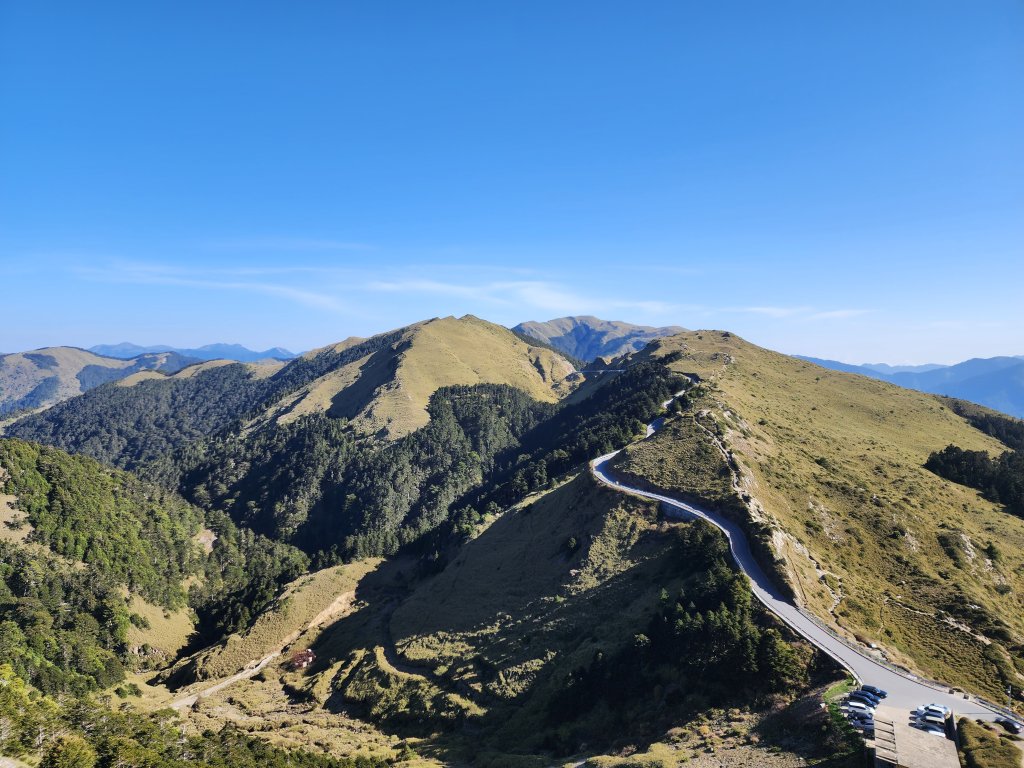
{"x": 905, "y": 691}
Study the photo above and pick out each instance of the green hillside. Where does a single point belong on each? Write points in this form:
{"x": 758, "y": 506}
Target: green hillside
{"x": 829, "y": 475}
{"x": 98, "y": 550}
{"x": 477, "y": 597}
{"x": 380, "y": 386}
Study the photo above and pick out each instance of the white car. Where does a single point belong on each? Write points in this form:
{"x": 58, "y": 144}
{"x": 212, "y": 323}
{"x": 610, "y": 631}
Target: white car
{"x": 858, "y": 707}
{"x": 937, "y": 708}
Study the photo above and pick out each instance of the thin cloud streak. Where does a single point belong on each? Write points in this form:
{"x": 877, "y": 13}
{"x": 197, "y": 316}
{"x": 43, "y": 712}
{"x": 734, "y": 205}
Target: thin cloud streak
{"x": 156, "y": 275}
{"x": 798, "y": 313}
{"x": 538, "y": 294}
{"x": 307, "y": 245}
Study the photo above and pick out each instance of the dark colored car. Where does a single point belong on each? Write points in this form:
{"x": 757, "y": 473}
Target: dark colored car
{"x": 1008, "y": 724}
{"x": 877, "y": 692}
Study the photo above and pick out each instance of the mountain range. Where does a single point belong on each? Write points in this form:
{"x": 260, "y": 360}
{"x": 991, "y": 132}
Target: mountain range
{"x": 587, "y": 338}
{"x": 997, "y": 382}
{"x": 394, "y": 547}
{"x": 43, "y": 377}
{"x": 127, "y": 350}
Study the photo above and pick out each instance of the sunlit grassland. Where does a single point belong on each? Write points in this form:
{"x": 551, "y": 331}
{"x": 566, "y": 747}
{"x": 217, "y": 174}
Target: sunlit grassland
{"x": 872, "y": 541}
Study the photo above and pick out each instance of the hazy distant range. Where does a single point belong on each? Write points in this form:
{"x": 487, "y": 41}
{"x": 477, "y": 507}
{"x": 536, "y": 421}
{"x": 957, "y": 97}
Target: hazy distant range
{"x": 126, "y": 350}
{"x": 997, "y": 382}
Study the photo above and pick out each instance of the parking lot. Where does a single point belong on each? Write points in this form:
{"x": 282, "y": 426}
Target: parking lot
{"x": 905, "y": 738}
{"x": 909, "y": 747}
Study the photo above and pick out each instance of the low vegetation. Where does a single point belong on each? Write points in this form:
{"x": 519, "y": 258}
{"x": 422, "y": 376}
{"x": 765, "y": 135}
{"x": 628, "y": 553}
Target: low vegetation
{"x": 81, "y": 733}
{"x": 827, "y": 469}
{"x": 606, "y": 638}
{"x": 981, "y": 747}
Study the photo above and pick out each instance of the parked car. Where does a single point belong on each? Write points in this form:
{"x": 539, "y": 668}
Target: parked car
{"x": 936, "y": 720}
{"x": 874, "y": 691}
{"x": 934, "y": 730}
{"x": 1010, "y": 725}
{"x": 860, "y": 706}
{"x": 867, "y": 698}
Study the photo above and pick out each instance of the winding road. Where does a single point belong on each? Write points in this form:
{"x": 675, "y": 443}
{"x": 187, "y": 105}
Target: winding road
{"x": 905, "y": 690}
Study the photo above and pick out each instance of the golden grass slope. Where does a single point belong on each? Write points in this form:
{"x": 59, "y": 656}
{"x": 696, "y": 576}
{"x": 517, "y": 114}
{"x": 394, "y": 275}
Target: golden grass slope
{"x": 536, "y": 593}
{"x": 258, "y": 370}
{"x": 23, "y": 372}
{"x": 386, "y": 393}
{"x": 304, "y": 606}
{"x": 873, "y": 543}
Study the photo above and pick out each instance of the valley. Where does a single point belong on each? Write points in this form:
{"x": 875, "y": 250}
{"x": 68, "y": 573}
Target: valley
{"x": 494, "y": 559}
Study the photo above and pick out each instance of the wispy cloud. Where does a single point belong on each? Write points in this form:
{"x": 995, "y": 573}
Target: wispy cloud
{"x": 536, "y": 294}
{"x": 798, "y": 312}
{"x": 291, "y": 244}
{"x": 772, "y": 311}
{"x": 158, "y": 274}
{"x": 838, "y": 314}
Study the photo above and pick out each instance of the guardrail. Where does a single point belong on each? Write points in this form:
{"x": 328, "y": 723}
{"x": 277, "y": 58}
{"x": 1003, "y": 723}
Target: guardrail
{"x": 934, "y": 684}
{"x": 856, "y": 648}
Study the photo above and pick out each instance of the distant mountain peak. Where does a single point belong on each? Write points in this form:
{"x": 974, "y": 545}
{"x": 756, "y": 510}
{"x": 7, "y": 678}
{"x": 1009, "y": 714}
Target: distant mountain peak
{"x": 588, "y": 337}
{"x": 215, "y": 351}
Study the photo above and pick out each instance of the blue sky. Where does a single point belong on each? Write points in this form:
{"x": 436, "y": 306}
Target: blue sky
{"x": 842, "y": 179}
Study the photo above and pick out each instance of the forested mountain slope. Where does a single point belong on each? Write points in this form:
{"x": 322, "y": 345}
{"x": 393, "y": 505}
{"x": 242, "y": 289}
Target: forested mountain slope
{"x": 86, "y": 547}
{"x": 313, "y": 482}
{"x": 588, "y": 337}
{"x": 381, "y": 386}
{"x": 38, "y": 379}
{"x": 831, "y": 478}
{"x": 520, "y": 609}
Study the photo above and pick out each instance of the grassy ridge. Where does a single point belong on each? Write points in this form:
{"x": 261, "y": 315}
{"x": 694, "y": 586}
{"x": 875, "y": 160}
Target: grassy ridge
{"x": 833, "y": 465}
{"x": 556, "y": 593}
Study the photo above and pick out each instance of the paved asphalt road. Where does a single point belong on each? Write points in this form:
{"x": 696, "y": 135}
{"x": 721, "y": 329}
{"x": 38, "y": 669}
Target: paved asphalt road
{"x": 905, "y": 691}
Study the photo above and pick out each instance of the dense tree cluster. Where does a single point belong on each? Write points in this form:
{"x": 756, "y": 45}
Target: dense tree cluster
{"x": 241, "y": 577}
{"x": 61, "y": 628}
{"x": 82, "y": 733}
{"x": 1000, "y": 479}
{"x": 313, "y": 483}
{"x": 136, "y": 534}
{"x": 579, "y": 431}
{"x": 127, "y": 426}
{"x": 268, "y": 479}
{"x": 64, "y": 620}
{"x": 706, "y": 644}
{"x": 1007, "y": 430}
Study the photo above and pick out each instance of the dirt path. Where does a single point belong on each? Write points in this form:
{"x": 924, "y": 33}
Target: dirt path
{"x": 341, "y": 604}
{"x": 245, "y": 674}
